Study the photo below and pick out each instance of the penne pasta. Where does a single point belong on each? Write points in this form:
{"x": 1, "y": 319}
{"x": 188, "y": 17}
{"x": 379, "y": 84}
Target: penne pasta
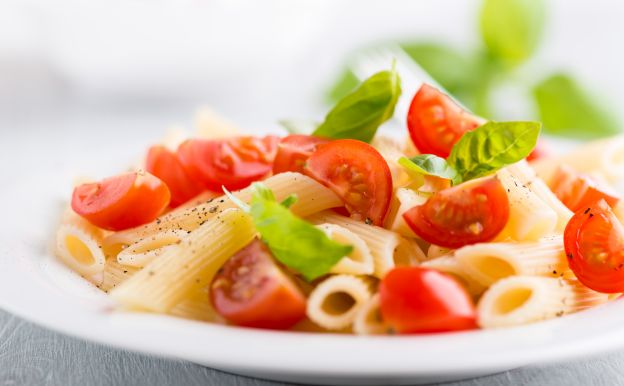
{"x": 404, "y": 199}
{"x": 115, "y": 274}
{"x": 391, "y": 150}
{"x": 435, "y": 251}
{"x": 197, "y": 306}
{"x": 359, "y": 261}
{"x": 187, "y": 266}
{"x": 312, "y": 197}
{"x": 381, "y": 242}
{"x": 529, "y": 217}
{"x": 368, "y": 319}
{"x": 490, "y": 262}
{"x": 79, "y": 246}
{"x": 518, "y": 300}
{"x": 408, "y": 253}
{"x": 145, "y": 250}
{"x": 334, "y": 303}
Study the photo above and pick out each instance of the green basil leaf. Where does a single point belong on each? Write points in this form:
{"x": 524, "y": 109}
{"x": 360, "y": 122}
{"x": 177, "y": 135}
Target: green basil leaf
{"x": 491, "y": 147}
{"x": 429, "y": 165}
{"x": 346, "y": 82}
{"x": 294, "y": 242}
{"x": 359, "y": 114}
{"x": 298, "y": 126}
{"x": 566, "y": 108}
{"x": 511, "y": 29}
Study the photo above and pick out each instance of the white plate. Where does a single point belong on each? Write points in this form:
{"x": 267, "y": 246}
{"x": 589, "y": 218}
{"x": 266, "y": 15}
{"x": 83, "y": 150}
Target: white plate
{"x": 34, "y": 286}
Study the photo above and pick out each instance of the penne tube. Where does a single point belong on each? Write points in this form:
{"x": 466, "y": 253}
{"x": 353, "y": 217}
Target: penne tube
{"x": 359, "y": 261}
{"x": 519, "y": 300}
{"x": 334, "y": 303}
{"x": 382, "y": 243}
{"x": 115, "y": 274}
{"x": 312, "y": 197}
{"x": 404, "y": 199}
{"x": 435, "y": 251}
{"x": 449, "y": 264}
{"x": 187, "y": 266}
{"x": 145, "y": 250}
{"x": 79, "y": 246}
{"x": 368, "y": 319}
{"x": 490, "y": 262}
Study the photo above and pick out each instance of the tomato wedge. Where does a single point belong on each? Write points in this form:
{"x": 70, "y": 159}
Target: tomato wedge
{"x": 165, "y": 165}
{"x": 421, "y": 300}
{"x": 293, "y": 151}
{"x": 357, "y": 173}
{"x": 436, "y": 123}
{"x": 594, "y": 245}
{"x": 473, "y": 212}
{"x": 234, "y": 162}
{"x": 251, "y": 290}
{"x": 578, "y": 191}
{"x": 122, "y": 202}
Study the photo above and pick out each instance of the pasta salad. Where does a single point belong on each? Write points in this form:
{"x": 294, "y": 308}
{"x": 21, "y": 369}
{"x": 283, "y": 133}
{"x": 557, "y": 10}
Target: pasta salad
{"x": 468, "y": 223}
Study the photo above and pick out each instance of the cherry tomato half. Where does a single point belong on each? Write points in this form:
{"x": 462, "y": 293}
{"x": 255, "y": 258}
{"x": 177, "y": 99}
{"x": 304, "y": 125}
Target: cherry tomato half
{"x": 357, "y": 173}
{"x": 594, "y": 245}
{"x": 436, "y": 123}
{"x": 234, "y": 162}
{"x": 250, "y": 290}
{"x": 578, "y": 191}
{"x": 122, "y": 202}
{"x": 293, "y": 151}
{"x": 421, "y": 300}
{"x": 165, "y": 165}
{"x": 473, "y": 212}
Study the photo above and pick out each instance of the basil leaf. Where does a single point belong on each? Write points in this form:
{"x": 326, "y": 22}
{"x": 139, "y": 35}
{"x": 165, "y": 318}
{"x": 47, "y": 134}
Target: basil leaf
{"x": 429, "y": 165}
{"x": 298, "y": 126}
{"x": 566, "y": 108}
{"x": 294, "y": 242}
{"x": 511, "y": 29}
{"x": 359, "y": 114}
{"x": 491, "y": 147}
{"x": 346, "y": 82}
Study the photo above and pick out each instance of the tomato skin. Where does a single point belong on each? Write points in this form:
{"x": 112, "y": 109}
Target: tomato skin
{"x": 469, "y": 213}
{"x": 293, "y": 151}
{"x": 234, "y": 162}
{"x": 540, "y": 151}
{"x": 594, "y": 245}
{"x": 122, "y": 202}
{"x": 250, "y": 290}
{"x": 578, "y": 191}
{"x": 421, "y": 300}
{"x": 358, "y": 174}
{"x": 436, "y": 122}
{"x": 165, "y": 165}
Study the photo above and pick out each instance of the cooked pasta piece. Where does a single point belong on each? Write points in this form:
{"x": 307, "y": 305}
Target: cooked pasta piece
{"x": 391, "y": 150}
{"x": 359, "y": 261}
{"x": 144, "y": 251}
{"x": 115, "y": 274}
{"x": 490, "y": 262}
{"x": 523, "y": 172}
{"x": 187, "y": 266}
{"x": 529, "y": 217}
{"x": 408, "y": 253}
{"x": 518, "y": 300}
{"x": 209, "y": 124}
{"x": 437, "y": 251}
{"x": 381, "y": 242}
{"x": 334, "y": 303}
{"x": 197, "y": 306}
{"x": 448, "y": 264}
{"x": 312, "y": 197}
{"x": 368, "y": 320}
{"x": 404, "y": 199}
{"x": 79, "y": 246}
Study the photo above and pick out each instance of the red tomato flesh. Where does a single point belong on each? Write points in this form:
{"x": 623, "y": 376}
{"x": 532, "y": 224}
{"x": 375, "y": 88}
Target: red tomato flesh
{"x": 234, "y": 162}
{"x": 250, "y": 290}
{"x": 436, "y": 123}
{"x": 122, "y": 202}
{"x": 578, "y": 191}
{"x": 420, "y": 300}
{"x": 165, "y": 165}
{"x": 469, "y": 213}
{"x": 293, "y": 151}
{"x": 541, "y": 150}
{"x": 358, "y": 174}
{"x": 594, "y": 245}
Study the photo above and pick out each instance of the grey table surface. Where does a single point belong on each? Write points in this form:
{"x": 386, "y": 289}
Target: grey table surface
{"x": 31, "y": 355}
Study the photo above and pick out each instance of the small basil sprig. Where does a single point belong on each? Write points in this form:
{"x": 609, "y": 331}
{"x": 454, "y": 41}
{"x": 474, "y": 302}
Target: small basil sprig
{"x": 359, "y": 114}
{"x": 294, "y": 242}
{"x": 480, "y": 152}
